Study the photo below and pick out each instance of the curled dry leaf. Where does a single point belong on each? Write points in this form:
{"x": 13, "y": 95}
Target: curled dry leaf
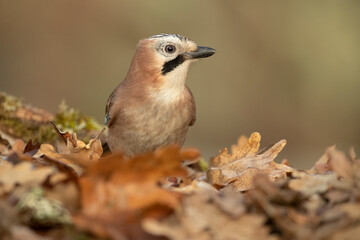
{"x": 65, "y": 136}
{"x": 116, "y": 192}
{"x": 72, "y": 159}
{"x": 30, "y": 148}
{"x": 239, "y": 168}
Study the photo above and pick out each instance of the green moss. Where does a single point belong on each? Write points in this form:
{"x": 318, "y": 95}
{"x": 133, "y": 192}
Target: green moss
{"x": 18, "y": 128}
{"x": 8, "y": 103}
{"x": 72, "y": 120}
{"x": 204, "y": 165}
{"x": 40, "y": 211}
{"x": 66, "y": 119}
{"x": 25, "y": 130}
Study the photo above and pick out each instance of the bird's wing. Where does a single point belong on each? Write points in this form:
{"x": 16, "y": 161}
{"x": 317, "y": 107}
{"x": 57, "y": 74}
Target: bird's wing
{"x": 193, "y": 107}
{"x": 193, "y": 120}
{"x": 109, "y": 120}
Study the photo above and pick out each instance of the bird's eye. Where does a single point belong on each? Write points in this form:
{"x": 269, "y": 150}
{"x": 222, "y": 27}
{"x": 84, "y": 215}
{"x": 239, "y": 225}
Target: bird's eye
{"x": 170, "y": 48}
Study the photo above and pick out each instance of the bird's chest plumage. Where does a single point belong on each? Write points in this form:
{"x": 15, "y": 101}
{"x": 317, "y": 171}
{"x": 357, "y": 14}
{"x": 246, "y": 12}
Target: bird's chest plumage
{"x": 152, "y": 124}
{"x": 161, "y": 122}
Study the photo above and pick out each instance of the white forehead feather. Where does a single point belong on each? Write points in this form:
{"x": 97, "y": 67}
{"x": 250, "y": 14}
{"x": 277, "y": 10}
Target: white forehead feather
{"x": 170, "y": 37}
{"x": 186, "y": 43}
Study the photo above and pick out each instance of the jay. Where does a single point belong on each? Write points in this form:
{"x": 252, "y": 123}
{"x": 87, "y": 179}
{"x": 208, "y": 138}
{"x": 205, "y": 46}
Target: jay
{"x": 152, "y": 107}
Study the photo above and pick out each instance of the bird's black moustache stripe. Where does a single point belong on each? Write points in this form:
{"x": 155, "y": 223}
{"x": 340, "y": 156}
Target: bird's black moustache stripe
{"x": 171, "y": 65}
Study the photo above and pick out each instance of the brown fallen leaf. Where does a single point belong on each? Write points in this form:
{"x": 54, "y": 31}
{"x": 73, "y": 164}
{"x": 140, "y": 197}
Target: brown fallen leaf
{"x": 67, "y": 193}
{"x": 277, "y": 193}
{"x": 22, "y": 173}
{"x": 349, "y": 233}
{"x": 346, "y": 168}
{"x": 116, "y": 194}
{"x": 194, "y": 186}
{"x": 18, "y": 151}
{"x": 6, "y": 140}
{"x": 203, "y": 216}
{"x": 8, "y": 218}
{"x": 65, "y": 136}
{"x": 239, "y": 168}
{"x": 4, "y": 150}
{"x": 16, "y": 155}
{"x": 310, "y": 184}
{"x": 21, "y": 232}
{"x": 18, "y": 146}
{"x": 30, "y": 148}
{"x": 311, "y": 204}
{"x": 335, "y": 160}
{"x": 72, "y": 159}
{"x": 161, "y": 196}
{"x": 21, "y": 152}
{"x": 336, "y": 196}
{"x": 277, "y": 214}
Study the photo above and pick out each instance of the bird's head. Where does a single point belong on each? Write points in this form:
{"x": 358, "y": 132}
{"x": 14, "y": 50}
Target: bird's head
{"x": 164, "y": 60}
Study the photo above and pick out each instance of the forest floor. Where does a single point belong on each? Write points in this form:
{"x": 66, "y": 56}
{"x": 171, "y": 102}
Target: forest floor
{"x": 56, "y": 182}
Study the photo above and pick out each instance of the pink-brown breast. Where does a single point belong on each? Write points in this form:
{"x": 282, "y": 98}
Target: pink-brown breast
{"x": 144, "y": 124}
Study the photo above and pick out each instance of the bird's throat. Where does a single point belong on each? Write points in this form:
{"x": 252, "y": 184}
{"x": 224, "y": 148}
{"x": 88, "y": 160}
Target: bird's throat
{"x": 172, "y": 85}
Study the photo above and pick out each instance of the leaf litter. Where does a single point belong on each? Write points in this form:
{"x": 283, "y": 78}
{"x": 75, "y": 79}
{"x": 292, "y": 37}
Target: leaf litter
{"x": 70, "y": 190}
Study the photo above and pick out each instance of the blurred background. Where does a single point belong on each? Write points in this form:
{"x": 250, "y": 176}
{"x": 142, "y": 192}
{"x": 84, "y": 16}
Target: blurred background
{"x": 287, "y": 69}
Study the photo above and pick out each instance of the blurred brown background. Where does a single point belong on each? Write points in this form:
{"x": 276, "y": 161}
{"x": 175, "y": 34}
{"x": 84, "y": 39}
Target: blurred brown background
{"x": 286, "y": 69}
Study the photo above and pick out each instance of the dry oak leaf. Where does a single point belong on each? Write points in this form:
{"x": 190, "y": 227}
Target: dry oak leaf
{"x": 239, "y": 168}
{"x": 279, "y": 216}
{"x": 336, "y": 161}
{"x": 74, "y": 158}
{"x": 323, "y": 202}
{"x": 21, "y": 152}
{"x": 346, "y": 170}
{"x": 117, "y": 193}
{"x": 310, "y": 184}
{"x": 22, "y": 173}
{"x": 203, "y": 216}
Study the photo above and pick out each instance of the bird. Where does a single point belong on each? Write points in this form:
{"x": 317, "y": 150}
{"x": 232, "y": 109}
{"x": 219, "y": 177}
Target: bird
{"x": 153, "y": 107}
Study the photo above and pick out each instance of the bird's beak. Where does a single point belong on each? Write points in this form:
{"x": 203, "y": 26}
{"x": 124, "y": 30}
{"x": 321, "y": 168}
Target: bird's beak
{"x": 201, "y": 52}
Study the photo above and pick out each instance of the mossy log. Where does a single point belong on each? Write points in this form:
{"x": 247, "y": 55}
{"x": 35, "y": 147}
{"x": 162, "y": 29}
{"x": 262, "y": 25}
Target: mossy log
{"x": 23, "y": 121}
